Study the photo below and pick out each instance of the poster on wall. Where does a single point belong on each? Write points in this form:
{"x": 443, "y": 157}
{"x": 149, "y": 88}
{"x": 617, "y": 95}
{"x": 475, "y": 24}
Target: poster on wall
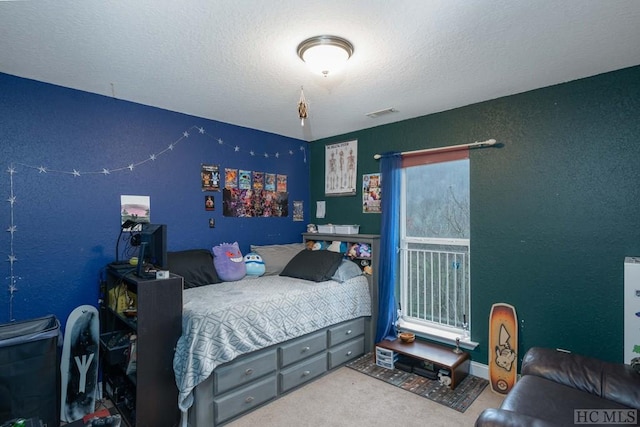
{"x": 371, "y": 193}
{"x": 230, "y": 178}
{"x": 209, "y": 204}
{"x": 281, "y": 185}
{"x": 270, "y": 181}
{"x": 298, "y": 210}
{"x": 341, "y": 164}
{"x": 210, "y": 176}
{"x": 258, "y": 180}
{"x": 237, "y": 202}
{"x": 244, "y": 180}
{"x": 135, "y": 208}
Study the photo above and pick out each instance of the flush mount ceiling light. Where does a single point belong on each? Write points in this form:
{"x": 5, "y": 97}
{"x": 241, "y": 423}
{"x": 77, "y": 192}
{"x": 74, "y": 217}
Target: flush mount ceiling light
{"x": 325, "y": 54}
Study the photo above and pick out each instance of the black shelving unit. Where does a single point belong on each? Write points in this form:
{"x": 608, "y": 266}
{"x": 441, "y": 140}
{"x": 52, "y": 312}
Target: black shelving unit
{"x": 148, "y": 397}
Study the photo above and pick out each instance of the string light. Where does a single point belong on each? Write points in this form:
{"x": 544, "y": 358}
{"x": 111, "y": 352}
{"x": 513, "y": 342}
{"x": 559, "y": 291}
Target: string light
{"x": 76, "y": 173}
{"x": 12, "y": 230}
{"x": 42, "y": 169}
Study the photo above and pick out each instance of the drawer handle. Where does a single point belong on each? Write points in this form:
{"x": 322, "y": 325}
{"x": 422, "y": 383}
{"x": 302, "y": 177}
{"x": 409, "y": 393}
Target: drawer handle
{"x": 249, "y": 399}
{"x": 248, "y": 371}
{"x": 349, "y": 332}
{"x": 305, "y": 373}
{"x": 349, "y": 353}
{"x": 305, "y": 349}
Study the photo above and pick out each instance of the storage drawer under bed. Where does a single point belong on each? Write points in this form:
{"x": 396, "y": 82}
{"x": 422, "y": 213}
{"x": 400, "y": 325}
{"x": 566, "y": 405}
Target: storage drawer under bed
{"x": 302, "y": 348}
{"x": 302, "y": 372}
{"x": 346, "y": 331}
{"x": 244, "y": 399}
{"x": 345, "y": 352}
{"x": 249, "y": 381}
{"x": 241, "y": 371}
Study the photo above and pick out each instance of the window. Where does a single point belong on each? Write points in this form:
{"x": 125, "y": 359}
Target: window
{"x": 434, "y": 243}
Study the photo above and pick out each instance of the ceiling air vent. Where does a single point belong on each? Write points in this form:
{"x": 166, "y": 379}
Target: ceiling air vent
{"x": 376, "y": 114}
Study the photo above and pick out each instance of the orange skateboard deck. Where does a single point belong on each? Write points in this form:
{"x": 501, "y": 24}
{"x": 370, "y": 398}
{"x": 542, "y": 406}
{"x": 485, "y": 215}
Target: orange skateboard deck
{"x": 503, "y": 348}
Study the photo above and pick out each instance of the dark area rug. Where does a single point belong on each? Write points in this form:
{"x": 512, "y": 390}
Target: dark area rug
{"x": 459, "y": 399}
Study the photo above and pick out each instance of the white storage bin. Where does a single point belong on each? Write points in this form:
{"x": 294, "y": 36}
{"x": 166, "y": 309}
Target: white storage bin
{"x": 385, "y": 353}
{"x": 386, "y": 365}
{"x": 347, "y": 229}
{"x": 386, "y": 358}
{"x": 328, "y": 228}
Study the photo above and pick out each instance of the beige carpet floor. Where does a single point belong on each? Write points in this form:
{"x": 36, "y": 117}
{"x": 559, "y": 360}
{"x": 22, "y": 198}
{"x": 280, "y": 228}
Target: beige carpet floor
{"x": 346, "y": 398}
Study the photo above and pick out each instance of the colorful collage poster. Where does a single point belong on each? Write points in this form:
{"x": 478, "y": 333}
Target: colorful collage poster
{"x": 239, "y": 202}
{"x": 254, "y": 194}
{"x": 371, "y": 193}
{"x": 250, "y": 194}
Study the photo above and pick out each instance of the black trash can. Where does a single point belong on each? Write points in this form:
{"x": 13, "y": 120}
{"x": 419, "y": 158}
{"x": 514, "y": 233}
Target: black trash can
{"x": 30, "y": 370}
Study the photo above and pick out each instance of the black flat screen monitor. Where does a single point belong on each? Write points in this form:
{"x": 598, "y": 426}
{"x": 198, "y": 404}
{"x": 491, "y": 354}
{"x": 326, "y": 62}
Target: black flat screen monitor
{"x": 153, "y": 246}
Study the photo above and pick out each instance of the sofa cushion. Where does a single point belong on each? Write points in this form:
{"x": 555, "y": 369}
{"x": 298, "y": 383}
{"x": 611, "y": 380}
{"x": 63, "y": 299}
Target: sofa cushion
{"x": 614, "y": 381}
{"x": 494, "y": 417}
{"x": 544, "y": 399}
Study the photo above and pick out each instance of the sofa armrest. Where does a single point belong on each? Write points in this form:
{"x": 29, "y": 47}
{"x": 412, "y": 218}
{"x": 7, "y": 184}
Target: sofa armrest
{"x": 502, "y": 418}
{"x": 612, "y": 381}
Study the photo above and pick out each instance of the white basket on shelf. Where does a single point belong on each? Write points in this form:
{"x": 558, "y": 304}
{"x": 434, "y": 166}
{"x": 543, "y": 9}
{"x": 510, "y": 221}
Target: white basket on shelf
{"x": 328, "y": 228}
{"x": 347, "y": 229}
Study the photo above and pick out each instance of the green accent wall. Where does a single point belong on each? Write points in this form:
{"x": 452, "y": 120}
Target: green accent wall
{"x": 554, "y": 207}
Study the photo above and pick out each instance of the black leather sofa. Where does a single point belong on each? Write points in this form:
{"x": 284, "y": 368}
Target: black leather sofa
{"x": 554, "y": 384}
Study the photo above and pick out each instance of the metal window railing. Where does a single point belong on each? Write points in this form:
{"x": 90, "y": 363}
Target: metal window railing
{"x": 435, "y": 281}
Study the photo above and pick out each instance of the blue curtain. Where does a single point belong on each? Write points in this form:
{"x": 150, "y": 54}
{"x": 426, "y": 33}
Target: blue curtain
{"x": 390, "y": 169}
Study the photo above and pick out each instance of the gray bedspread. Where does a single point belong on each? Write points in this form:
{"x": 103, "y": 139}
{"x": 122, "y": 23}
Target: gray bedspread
{"x": 226, "y": 320}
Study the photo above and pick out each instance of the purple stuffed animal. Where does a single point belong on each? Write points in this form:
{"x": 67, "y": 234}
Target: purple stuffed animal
{"x": 229, "y": 262}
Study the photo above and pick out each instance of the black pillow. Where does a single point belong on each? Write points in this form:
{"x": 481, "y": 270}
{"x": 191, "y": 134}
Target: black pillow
{"x": 316, "y": 266}
{"x": 195, "y": 265}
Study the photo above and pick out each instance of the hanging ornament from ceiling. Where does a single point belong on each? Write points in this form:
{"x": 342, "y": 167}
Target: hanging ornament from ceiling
{"x": 303, "y": 107}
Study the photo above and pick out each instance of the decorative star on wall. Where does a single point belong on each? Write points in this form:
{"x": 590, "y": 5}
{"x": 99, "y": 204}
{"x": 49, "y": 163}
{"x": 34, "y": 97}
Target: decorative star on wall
{"x": 154, "y": 156}
{"x": 12, "y": 230}
{"x": 106, "y": 171}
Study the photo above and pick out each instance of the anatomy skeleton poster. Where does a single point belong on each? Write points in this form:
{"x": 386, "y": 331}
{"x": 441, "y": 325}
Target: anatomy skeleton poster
{"x": 341, "y": 164}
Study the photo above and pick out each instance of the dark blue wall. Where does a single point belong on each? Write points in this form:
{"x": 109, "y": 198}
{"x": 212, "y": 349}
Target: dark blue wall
{"x": 67, "y": 226}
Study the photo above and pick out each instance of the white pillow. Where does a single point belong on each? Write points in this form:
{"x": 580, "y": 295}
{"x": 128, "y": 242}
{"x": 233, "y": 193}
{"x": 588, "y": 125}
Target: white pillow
{"x": 276, "y": 257}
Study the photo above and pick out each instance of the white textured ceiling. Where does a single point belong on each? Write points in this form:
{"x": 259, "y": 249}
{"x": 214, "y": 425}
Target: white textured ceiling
{"x": 235, "y": 60}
